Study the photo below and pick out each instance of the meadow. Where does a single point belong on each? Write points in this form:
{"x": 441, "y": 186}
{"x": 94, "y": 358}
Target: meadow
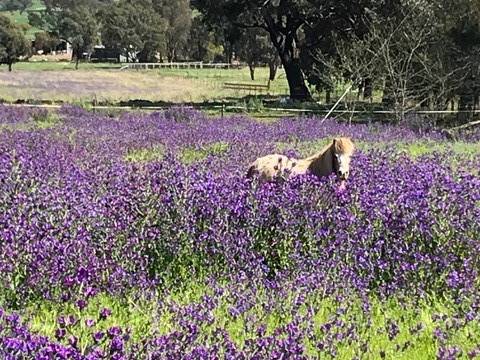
{"x": 137, "y": 236}
{"x": 59, "y": 81}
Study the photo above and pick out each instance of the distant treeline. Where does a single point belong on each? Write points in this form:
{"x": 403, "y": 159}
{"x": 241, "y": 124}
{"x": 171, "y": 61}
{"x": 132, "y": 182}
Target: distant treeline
{"x": 418, "y": 53}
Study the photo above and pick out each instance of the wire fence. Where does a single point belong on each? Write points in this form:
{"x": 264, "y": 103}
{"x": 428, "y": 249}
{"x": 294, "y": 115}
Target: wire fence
{"x": 239, "y": 108}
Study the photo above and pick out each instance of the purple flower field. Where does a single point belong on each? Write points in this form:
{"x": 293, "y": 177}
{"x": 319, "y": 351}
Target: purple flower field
{"x": 139, "y": 236}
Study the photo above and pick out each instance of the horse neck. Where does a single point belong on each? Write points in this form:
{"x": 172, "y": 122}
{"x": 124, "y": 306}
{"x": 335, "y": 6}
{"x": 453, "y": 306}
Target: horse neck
{"x": 321, "y": 163}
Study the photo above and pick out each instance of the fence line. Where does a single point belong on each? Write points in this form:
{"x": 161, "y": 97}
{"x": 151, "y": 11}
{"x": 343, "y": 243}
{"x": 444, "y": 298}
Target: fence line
{"x": 180, "y": 65}
{"x": 245, "y": 108}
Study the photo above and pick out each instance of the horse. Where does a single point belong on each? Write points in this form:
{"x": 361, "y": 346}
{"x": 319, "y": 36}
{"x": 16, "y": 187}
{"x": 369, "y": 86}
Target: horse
{"x": 333, "y": 158}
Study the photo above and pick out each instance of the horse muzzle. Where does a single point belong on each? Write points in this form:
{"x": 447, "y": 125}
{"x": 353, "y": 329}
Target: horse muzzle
{"x": 342, "y": 176}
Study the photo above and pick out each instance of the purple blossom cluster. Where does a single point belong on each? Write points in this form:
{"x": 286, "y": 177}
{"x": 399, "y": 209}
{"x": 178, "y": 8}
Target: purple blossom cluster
{"x": 17, "y": 115}
{"x": 297, "y": 333}
{"x": 17, "y": 342}
{"x": 78, "y": 219}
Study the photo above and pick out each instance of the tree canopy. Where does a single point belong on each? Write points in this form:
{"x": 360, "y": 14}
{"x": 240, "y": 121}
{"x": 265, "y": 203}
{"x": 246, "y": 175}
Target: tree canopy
{"x": 287, "y": 22}
{"x": 76, "y": 22}
{"x": 134, "y": 28}
{"x": 178, "y": 17}
{"x": 419, "y": 53}
{"x": 13, "y": 44}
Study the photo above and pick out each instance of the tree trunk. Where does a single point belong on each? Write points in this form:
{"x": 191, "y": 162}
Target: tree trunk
{"x": 171, "y": 55}
{"x": 387, "y": 99}
{"x": 296, "y": 81}
{"x": 367, "y": 89}
{"x": 10, "y": 66}
{"x": 288, "y": 52}
{"x": 142, "y": 56}
{"x": 252, "y": 71}
{"x": 273, "y": 70}
{"x": 77, "y": 60}
{"x": 465, "y": 104}
{"x": 228, "y": 54}
{"x": 361, "y": 88}
{"x": 328, "y": 96}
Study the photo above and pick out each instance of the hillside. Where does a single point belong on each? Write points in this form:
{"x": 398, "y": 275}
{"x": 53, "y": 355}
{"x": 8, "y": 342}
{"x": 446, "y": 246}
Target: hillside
{"x": 37, "y": 5}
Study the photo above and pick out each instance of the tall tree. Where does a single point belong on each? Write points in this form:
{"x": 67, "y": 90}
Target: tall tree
{"x": 202, "y": 42}
{"x": 45, "y": 42}
{"x": 282, "y": 19}
{"x": 74, "y": 21}
{"x": 134, "y": 28}
{"x": 423, "y": 53}
{"x": 255, "y": 48}
{"x": 346, "y": 22}
{"x": 178, "y": 17}
{"x": 116, "y": 29}
{"x": 285, "y": 21}
{"x": 13, "y": 44}
{"x": 462, "y": 28}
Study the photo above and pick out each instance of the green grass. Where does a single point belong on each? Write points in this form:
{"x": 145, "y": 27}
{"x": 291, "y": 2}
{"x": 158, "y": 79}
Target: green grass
{"x": 220, "y": 76}
{"x": 46, "y": 120}
{"x": 146, "y": 319}
{"x": 29, "y": 81}
{"x": 187, "y": 155}
{"x": 137, "y": 315}
{"x": 57, "y": 81}
{"x": 417, "y": 149}
{"x": 39, "y": 121}
{"x": 154, "y": 153}
{"x": 190, "y": 155}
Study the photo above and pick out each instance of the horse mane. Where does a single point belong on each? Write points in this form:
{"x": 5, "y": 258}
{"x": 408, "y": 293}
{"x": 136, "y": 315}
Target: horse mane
{"x": 343, "y": 145}
{"x": 340, "y": 145}
{"x": 320, "y": 153}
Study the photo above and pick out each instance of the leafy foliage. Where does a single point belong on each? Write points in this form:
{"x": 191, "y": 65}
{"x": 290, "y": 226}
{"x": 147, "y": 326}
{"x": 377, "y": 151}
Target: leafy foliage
{"x": 178, "y": 17}
{"x": 13, "y": 44}
{"x": 135, "y": 28}
{"x": 74, "y": 22}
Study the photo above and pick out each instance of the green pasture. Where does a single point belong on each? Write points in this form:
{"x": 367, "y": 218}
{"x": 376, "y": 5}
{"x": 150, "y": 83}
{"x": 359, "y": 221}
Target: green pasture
{"x": 59, "y": 81}
{"x": 415, "y": 320}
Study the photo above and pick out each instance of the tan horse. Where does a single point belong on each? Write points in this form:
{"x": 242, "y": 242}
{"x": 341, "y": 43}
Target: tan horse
{"x": 334, "y": 158}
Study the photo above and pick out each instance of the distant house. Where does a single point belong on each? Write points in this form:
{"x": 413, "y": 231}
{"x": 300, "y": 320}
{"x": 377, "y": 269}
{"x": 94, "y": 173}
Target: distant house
{"x": 102, "y": 54}
{"x": 62, "y": 47}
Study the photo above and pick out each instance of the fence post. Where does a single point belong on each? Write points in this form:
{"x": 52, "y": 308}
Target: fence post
{"x": 94, "y": 102}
